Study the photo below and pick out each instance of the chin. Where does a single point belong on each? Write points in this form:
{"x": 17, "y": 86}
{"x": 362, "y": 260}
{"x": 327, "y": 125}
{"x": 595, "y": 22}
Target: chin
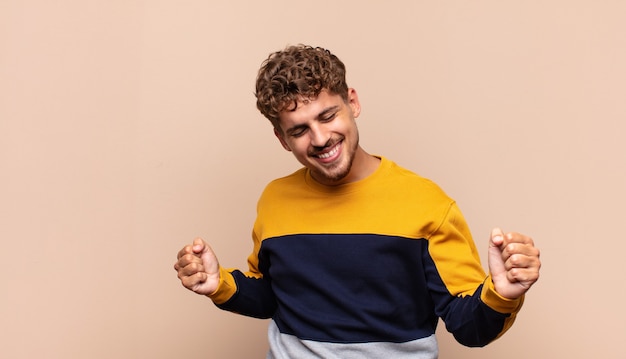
{"x": 333, "y": 176}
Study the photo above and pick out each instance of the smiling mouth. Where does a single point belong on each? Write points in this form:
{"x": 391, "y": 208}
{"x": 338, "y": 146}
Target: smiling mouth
{"x": 329, "y": 154}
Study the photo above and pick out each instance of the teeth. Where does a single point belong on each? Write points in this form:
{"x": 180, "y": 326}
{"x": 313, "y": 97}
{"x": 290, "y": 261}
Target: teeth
{"x": 329, "y": 153}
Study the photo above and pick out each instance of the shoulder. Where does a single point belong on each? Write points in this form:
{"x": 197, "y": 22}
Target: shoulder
{"x": 284, "y": 185}
{"x": 295, "y": 178}
{"x": 408, "y": 181}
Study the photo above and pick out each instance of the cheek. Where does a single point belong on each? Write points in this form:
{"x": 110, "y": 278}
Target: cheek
{"x": 346, "y": 127}
{"x": 299, "y": 148}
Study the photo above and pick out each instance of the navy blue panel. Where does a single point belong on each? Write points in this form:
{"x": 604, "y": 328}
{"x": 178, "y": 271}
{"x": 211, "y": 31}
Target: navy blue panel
{"x": 349, "y": 288}
{"x": 254, "y": 297}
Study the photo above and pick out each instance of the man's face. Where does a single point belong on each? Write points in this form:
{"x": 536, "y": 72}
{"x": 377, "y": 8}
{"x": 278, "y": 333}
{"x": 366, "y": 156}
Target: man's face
{"x": 322, "y": 134}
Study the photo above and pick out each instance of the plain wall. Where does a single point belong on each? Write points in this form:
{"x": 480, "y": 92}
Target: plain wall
{"x": 127, "y": 128}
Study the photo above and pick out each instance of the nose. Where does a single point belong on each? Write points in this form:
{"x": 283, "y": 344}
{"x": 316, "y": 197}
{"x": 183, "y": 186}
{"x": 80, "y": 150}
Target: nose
{"x": 319, "y": 136}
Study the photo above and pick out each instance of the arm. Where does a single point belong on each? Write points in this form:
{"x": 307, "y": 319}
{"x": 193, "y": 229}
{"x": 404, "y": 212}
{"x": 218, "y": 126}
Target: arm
{"x": 474, "y": 311}
{"x": 199, "y": 271}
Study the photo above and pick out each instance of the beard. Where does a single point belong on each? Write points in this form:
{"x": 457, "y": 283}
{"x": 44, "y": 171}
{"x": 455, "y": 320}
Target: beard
{"x": 336, "y": 172}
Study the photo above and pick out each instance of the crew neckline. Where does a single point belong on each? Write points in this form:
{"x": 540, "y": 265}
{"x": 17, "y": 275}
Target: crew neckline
{"x": 346, "y": 187}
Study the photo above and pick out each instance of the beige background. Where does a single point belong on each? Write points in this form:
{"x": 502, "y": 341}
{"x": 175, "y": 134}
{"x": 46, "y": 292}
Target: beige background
{"x": 127, "y": 128}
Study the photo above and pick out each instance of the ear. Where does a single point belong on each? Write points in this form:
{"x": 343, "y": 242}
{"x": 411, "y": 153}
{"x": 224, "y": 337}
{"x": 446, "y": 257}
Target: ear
{"x": 353, "y": 102}
{"x": 281, "y": 139}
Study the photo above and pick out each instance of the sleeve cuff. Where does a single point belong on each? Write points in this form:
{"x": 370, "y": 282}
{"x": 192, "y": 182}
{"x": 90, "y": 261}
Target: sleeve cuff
{"x": 497, "y": 302}
{"x": 225, "y": 289}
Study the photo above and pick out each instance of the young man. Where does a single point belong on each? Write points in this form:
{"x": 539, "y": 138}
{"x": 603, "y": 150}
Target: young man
{"x": 354, "y": 256}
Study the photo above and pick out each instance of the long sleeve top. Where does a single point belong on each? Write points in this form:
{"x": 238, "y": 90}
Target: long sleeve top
{"x": 364, "y": 270}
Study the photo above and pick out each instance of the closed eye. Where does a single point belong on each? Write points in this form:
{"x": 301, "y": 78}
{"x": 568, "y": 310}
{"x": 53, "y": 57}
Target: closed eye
{"x": 328, "y": 114}
{"x": 328, "y": 117}
{"x": 297, "y": 131}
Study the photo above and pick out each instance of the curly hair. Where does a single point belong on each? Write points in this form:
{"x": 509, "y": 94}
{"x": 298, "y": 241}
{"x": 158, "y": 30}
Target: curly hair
{"x": 294, "y": 73}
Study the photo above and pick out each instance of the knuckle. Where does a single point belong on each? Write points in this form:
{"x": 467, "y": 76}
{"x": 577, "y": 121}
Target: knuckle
{"x": 511, "y": 248}
{"x": 195, "y": 267}
{"x": 183, "y": 251}
{"x": 188, "y": 281}
{"x": 515, "y": 260}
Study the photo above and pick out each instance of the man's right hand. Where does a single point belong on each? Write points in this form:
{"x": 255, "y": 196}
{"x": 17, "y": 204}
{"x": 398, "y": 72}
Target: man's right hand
{"x": 198, "y": 268}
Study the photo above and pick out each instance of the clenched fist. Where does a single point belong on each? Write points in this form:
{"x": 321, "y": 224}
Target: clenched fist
{"x": 198, "y": 268}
